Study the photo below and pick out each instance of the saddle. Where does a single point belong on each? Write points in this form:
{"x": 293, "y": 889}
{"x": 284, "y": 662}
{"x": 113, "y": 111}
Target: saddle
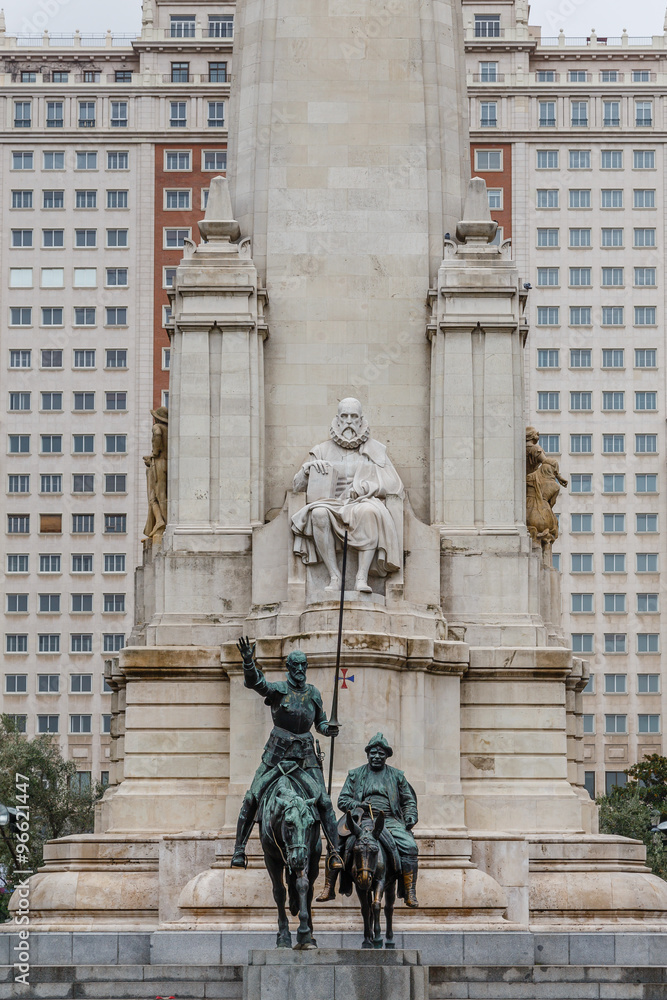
{"x": 299, "y": 779}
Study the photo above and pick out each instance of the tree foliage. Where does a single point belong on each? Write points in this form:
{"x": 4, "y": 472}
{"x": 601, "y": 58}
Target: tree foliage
{"x": 632, "y": 810}
{"x": 57, "y": 806}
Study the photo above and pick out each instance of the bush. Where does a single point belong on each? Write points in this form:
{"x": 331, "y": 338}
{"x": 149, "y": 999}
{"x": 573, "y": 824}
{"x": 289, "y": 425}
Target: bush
{"x": 632, "y": 810}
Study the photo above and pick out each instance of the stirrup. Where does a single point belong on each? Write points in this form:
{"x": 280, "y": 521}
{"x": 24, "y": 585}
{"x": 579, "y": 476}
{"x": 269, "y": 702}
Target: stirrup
{"x": 334, "y": 862}
{"x": 239, "y": 856}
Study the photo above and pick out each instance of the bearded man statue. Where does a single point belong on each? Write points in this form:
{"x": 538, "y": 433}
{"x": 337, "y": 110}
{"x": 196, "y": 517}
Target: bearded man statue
{"x": 358, "y": 476}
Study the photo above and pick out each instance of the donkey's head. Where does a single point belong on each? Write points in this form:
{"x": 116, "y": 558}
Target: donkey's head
{"x": 366, "y": 849}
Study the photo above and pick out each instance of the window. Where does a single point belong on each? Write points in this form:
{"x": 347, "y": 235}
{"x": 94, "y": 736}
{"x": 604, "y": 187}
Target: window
{"x": 611, "y": 159}
{"x": 548, "y": 315}
{"x": 614, "y": 604}
{"x": 49, "y": 563}
{"x": 86, "y": 199}
{"x": 581, "y": 562}
{"x": 644, "y": 238}
{"x": 613, "y": 400}
{"x": 18, "y": 484}
{"x": 48, "y": 683}
{"x": 19, "y": 444}
{"x": 613, "y": 483}
{"x": 19, "y": 401}
{"x": 547, "y": 114}
{"x": 647, "y": 604}
{"x": 116, "y": 359}
{"x": 118, "y": 114}
{"x": 548, "y": 400}
{"x": 51, "y": 359}
{"x": 114, "y": 562}
{"x": 16, "y": 683}
{"x": 20, "y": 359}
{"x": 546, "y": 358}
{"x": 547, "y": 237}
{"x": 86, "y": 160}
{"x": 83, "y": 444}
{"x": 91, "y": 76}
{"x": 581, "y": 524}
{"x": 16, "y": 643}
{"x": 646, "y": 444}
{"x": 112, "y": 642}
{"x": 612, "y": 358}
{"x": 216, "y": 114}
{"x": 547, "y": 198}
{"x": 612, "y": 316}
{"x": 114, "y": 603}
{"x": 22, "y": 161}
{"x": 613, "y": 523}
{"x": 53, "y": 199}
{"x": 577, "y": 76}
{"x": 51, "y": 483}
{"x": 611, "y": 114}
{"x": 614, "y": 562}
{"x": 487, "y": 25}
{"x": 174, "y": 238}
{"x": 47, "y": 723}
{"x": 182, "y": 25}
{"x": 645, "y": 277}
{"x": 18, "y": 562}
{"x": 647, "y": 523}
{"x": 17, "y": 604}
{"x": 178, "y": 114}
{"x": 115, "y": 444}
{"x": 83, "y": 483}
{"x": 582, "y": 642}
{"x": 49, "y": 604}
{"x": 581, "y": 400}
{"x": 52, "y": 316}
{"x": 81, "y": 683}
{"x": 84, "y": 359}
{"x": 579, "y": 110}
{"x": 217, "y": 72}
{"x": 647, "y": 562}
{"x": 54, "y": 114}
{"x": 648, "y": 642}
{"x": 548, "y": 276}
{"x": 22, "y": 199}
{"x": 611, "y": 198}
{"x": 118, "y": 161}
{"x": 82, "y": 562}
{"x": 80, "y": 724}
{"x": 581, "y": 444}
{"x": 116, "y": 316}
{"x": 648, "y": 683}
{"x": 53, "y": 238}
{"x": 641, "y": 76}
{"x": 86, "y": 114}
{"x": 82, "y": 604}
{"x": 21, "y": 238}
{"x": 581, "y": 603}
{"x": 613, "y": 444}
{"x": 166, "y": 359}
{"x": 115, "y": 524}
{"x": 646, "y": 482}
{"x": 646, "y": 401}
{"x": 648, "y": 723}
{"x": 580, "y": 277}
{"x": 644, "y": 198}
{"x": 83, "y": 524}
{"x": 615, "y": 723}
{"x": 20, "y": 277}
{"x": 612, "y": 237}
{"x": 580, "y": 316}
{"x": 545, "y": 76}
{"x": 18, "y": 524}
{"x": 222, "y": 26}
{"x": 645, "y": 316}
{"x": 84, "y": 400}
{"x": 48, "y": 642}
{"x": 81, "y": 643}
{"x": 22, "y": 114}
{"x": 580, "y": 237}
{"x": 115, "y": 483}
{"x": 644, "y": 159}
{"x": 581, "y": 483}
{"x": 123, "y": 76}
{"x": 106, "y": 728}
{"x": 550, "y": 443}
{"x": 643, "y": 113}
{"x": 178, "y": 160}
{"x": 612, "y": 277}
{"x": 581, "y": 357}
{"x": 85, "y": 237}
{"x": 615, "y": 684}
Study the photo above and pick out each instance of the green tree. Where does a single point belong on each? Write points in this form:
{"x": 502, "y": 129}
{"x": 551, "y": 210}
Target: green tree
{"x": 56, "y": 804}
{"x": 632, "y": 810}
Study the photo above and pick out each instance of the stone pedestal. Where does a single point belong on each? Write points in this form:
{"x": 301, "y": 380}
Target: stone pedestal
{"x": 335, "y": 974}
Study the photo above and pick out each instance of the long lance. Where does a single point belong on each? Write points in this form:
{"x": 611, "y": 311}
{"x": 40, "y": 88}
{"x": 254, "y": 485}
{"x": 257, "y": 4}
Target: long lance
{"x": 333, "y": 720}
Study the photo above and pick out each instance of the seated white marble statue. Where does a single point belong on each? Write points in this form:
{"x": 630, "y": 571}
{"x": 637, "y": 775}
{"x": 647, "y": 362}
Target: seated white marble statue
{"x": 346, "y": 481}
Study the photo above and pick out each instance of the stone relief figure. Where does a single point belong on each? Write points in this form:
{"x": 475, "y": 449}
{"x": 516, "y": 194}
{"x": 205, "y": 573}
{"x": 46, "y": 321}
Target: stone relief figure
{"x": 156, "y": 475}
{"x": 347, "y": 480}
{"x": 543, "y": 483}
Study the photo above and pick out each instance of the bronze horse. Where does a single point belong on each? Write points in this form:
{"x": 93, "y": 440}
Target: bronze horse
{"x": 290, "y": 838}
{"x": 374, "y": 876}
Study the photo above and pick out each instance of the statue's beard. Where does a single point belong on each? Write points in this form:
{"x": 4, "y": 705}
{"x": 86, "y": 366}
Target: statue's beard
{"x": 348, "y": 437}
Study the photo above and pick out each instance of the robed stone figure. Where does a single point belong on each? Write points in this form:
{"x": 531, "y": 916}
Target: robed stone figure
{"x": 355, "y": 475}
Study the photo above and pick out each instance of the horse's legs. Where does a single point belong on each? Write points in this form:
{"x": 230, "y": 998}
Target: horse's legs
{"x": 304, "y": 935}
{"x": 366, "y": 914}
{"x": 275, "y": 869}
{"x": 378, "y": 892}
{"x": 389, "y": 899}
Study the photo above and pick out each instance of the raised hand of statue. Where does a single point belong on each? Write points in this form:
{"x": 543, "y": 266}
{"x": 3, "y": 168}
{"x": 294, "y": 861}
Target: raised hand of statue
{"x": 247, "y": 650}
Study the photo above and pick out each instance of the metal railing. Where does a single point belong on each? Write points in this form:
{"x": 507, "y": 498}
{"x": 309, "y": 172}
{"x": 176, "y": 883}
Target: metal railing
{"x": 486, "y": 78}
{"x": 222, "y": 32}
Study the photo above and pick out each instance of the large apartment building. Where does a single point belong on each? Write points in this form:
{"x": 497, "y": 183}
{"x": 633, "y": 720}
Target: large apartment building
{"x": 108, "y": 145}
{"x": 571, "y": 136}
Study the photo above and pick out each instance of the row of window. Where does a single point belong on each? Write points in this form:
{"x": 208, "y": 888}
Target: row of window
{"x": 54, "y": 198}
{"x": 53, "y": 359}
{"x": 581, "y": 277}
{"x": 63, "y": 76}
{"x": 51, "y": 562}
{"x": 619, "y": 724}
{"x": 578, "y": 159}
{"x": 53, "y": 401}
{"x": 77, "y": 724}
{"x": 50, "y": 684}
{"x": 49, "y": 642}
{"x": 616, "y": 642}
{"x": 580, "y": 198}
{"x": 614, "y": 482}
{"x": 185, "y": 26}
{"x": 579, "y": 114}
{"x": 488, "y": 73}
{"x": 583, "y": 357}
{"x": 180, "y": 73}
{"x": 19, "y": 604}
{"x": 82, "y": 444}
{"x": 83, "y": 239}
{"x": 610, "y": 237}
{"x": 54, "y": 316}
{"x": 617, "y": 684}
{"x": 616, "y": 562}
{"x": 612, "y": 444}
{"x": 175, "y": 160}
{"x": 118, "y": 113}
{"x": 579, "y": 401}
{"x": 582, "y": 524}
{"x": 53, "y": 484}
{"x": 613, "y": 604}
{"x": 82, "y": 524}
{"x": 54, "y": 277}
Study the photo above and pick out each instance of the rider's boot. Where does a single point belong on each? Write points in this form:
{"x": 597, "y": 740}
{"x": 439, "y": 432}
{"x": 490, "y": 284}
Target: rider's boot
{"x": 330, "y": 879}
{"x": 409, "y": 884}
{"x": 328, "y": 821}
{"x": 243, "y": 831}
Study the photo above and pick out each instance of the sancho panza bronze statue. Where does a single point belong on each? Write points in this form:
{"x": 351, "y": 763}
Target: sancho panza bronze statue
{"x": 295, "y": 706}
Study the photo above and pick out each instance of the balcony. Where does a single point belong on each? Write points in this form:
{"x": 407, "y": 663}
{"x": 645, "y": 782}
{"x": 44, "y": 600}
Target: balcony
{"x": 611, "y": 122}
{"x": 223, "y": 32}
{"x": 178, "y": 78}
{"x": 488, "y": 78}
{"x": 547, "y": 123}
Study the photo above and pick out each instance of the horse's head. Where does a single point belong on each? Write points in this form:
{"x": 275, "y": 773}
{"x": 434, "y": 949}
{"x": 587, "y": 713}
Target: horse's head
{"x": 296, "y": 822}
{"x": 366, "y": 849}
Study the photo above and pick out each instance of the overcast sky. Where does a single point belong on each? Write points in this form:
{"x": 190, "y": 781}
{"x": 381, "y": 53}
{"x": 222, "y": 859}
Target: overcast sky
{"x": 576, "y": 17}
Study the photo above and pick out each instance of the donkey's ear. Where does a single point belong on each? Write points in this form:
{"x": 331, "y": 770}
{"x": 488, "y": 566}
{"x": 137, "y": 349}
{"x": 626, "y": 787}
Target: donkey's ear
{"x": 352, "y": 824}
{"x": 379, "y": 825}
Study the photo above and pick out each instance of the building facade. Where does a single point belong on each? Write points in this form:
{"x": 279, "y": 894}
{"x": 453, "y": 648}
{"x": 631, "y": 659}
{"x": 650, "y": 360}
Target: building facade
{"x": 108, "y": 145}
{"x": 570, "y": 135}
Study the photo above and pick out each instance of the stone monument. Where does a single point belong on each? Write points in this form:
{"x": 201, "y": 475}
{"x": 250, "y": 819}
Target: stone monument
{"x": 348, "y": 165}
